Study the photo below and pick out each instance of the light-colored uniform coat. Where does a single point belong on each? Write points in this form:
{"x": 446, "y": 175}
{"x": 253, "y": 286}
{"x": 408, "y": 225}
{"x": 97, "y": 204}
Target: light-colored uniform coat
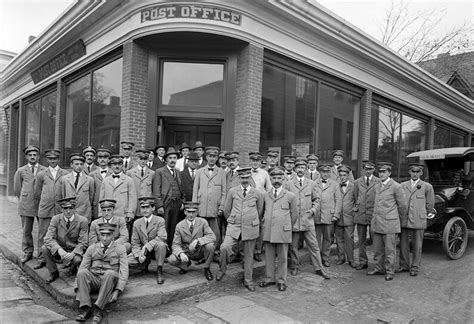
{"x": 347, "y": 207}
{"x": 23, "y": 186}
{"x": 279, "y": 216}
{"x": 308, "y": 197}
{"x": 183, "y": 237}
{"x": 334, "y": 175}
{"x": 390, "y": 206}
{"x": 420, "y": 203}
{"x": 149, "y": 237}
{"x": 331, "y": 202}
{"x": 48, "y": 192}
{"x": 365, "y": 199}
{"x": 120, "y": 232}
{"x": 143, "y": 185}
{"x": 93, "y": 167}
{"x": 84, "y": 192}
{"x": 97, "y": 177}
{"x": 210, "y": 191}
{"x": 243, "y": 213}
{"x": 73, "y": 239}
{"x": 123, "y": 192}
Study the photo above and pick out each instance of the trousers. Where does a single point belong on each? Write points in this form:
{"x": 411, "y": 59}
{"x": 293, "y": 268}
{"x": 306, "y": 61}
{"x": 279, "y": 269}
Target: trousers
{"x": 88, "y": 282}
{"x": 229, "y": 248}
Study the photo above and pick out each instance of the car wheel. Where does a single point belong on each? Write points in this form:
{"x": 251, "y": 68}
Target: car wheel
{"x": 455, "y": 238}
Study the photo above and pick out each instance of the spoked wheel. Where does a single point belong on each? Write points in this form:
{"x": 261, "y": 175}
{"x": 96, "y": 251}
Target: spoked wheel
{"x": 455, "y": 238}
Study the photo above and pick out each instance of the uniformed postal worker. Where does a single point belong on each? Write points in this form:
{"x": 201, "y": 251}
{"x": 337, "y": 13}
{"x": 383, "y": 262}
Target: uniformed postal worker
{"x": 365, "y": 199}
{"x": 421, "y": 199}
{"x": 289, "y": 165}
{"x": 66, "y": 239}
{"x": 89, "y": 153}
{"x": 309, "y": 198}
{"x": 142, "y": 178}
{"x": 344, "y": 229}
{"x": 390, "y": 206}
{"x": 104, "y": 269}
{"x": 23, "y": 184}
{"x": 271, "y": 159}
{"x": 148, "y": 239}
{"x": 330, "y": 210}
{"x": 312, "y": 172}
{"x": 127, "y": 149}
{"x": 47, "y": 192}
{"x": 233, "y": 160}
{"x": 80, "y": 185}
{"x": 222, "y": 161}
{"x": 281, "y": 213}
{"x": 103, "y": 155}
{"x": 107, "y": 208}
{"x": 338, "y": 158}
{"x": 243, "y": 211}
{"x": 193, "y": 240}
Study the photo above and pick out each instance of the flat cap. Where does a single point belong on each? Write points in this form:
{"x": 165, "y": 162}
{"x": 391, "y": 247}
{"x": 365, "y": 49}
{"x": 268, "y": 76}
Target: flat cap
{"x": 89, "y": 148}
{"x": 191, "y": 205}
{"x": 107, "y": 228}
{"x": 116, "y": 159}
{"x": 104, "y": 152}
{"x": 146, "y": 201}
{"x": 276, "y": 171}
{"x": 109, "y": 202}
{"x": 31, "y": 148}
{"x": 67, "y": 202}
{"x": 384, "y": 166}
{"x": 52, "y": 153}
{"x": 77, "y": 156}
{"x": 338, "y": 153}
{"x": 127, "y": 144}
{"x": 244, "y": 172}
{"x": 312, "y": 157}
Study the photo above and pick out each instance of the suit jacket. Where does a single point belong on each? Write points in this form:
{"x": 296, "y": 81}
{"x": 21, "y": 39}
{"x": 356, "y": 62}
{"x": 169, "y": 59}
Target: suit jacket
{"x": 183, "y": 237}
{"x": 210, "y": 191}
{"x": 162, "y": 189}
{"x": 390, "y": 206}
{"x": 335, "y": 174}
{"x": 143, "y": 185}
{"x": 97, "y": 177}
{"x": 316, "y": 175}
{"x": 93, "y": 167}
{"x": 48, "y": 192}
{"x": 98, "y": 262}
{"x": 280, "y": 215}
{"x": 120, "y": 233}
{"x": 73, "y": 239}
{"x": 421, "y": 201}
{"x": 261, "y": 180}
{"x": 158, "y": 163}
{"x": 23, "y": 186}
{"x": 309, "y": 198}
{"x": 331, "y": 202}
{"x": 232, "y": 180}
{"x": 243, "y": 213}
{"x": 187, "y": 183}
{"x": 124, "y": 192}
{"x": 202, "y": 164}
{"x": 348, "y": 205}
{"x": 149, "y": 237}
{"x": 132, "y": 163}
{"x": 365, "y": 199}
{"x": 84, "y": 192}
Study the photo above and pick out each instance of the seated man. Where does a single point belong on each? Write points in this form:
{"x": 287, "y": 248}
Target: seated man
{"x": 103, "y": 269}
{"x": 66, "y": 239}
{"x": 107, "y": 207}
{"x": 148, "y": 239}
{"x": 193, "y": 240}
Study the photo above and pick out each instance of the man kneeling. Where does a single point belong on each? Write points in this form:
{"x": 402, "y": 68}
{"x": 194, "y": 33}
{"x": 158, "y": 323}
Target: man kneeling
{"x": 193, "y": 240}
{"x": 104, "y": 268}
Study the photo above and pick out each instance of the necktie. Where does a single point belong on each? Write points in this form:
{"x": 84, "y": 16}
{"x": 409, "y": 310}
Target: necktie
{"x": 33, "y": 169}
{"x": 311, "y": 175}
{"x": 149, "y": 165}
{"x": 68, "y": 223}
{"x": 301, "y": 183}
{"x": 324, "y": 181}
{"x": 105, "y": 248}
{"x": 343, "y": 184}
{"x": 147, "y": 222}
{"x": 192, "y": 174}
{"x": 77, "y": 180}
{"x": 173, "y": 173}
{"x": 89, "y": 168}
{"x": 142, "y": 172}
{"x": 275, "y": 194}
{"x": 191, "y": 228}
{"x": 115, "y": 176}
{"x": 245, "y": 192}
{"x": 126, "y": 164}
{"x": 367, "y": 182}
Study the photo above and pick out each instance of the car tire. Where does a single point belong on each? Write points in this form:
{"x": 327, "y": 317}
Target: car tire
{"x": 455, "y": 236}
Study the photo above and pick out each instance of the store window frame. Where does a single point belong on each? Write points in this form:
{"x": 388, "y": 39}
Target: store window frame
{"x": 452, "y": 130}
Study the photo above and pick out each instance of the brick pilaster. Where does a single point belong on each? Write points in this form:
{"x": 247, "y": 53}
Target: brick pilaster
{"x": 365, "y": 126}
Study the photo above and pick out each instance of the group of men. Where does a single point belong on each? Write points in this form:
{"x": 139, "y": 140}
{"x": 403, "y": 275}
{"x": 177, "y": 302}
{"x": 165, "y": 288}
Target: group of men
{"x": 200, "y": 204}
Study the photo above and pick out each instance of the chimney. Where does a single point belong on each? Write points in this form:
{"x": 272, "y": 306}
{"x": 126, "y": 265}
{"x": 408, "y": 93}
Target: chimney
{"x": 31, "y": 38}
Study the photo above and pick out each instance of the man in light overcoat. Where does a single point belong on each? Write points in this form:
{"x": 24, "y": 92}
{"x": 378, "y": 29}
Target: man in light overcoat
{"x": 142, "y": 178}
{"x": 98, "y": 175}
{"x": 89, "y": 153}
{"x": 338, "y": 158}
{"x": 312, "y": 172}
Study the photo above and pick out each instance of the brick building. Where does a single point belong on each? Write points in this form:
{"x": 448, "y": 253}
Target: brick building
{"x": 244, "y": 75}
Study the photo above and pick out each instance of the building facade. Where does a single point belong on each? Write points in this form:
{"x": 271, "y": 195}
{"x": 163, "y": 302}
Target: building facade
{"x": 243, "y": 75}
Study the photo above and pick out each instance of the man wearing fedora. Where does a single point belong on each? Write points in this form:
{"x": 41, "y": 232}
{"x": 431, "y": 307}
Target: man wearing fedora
{"x": 193, "y": 240}
{"x": 421, "y": 201}
{"x": 188, "y": 175}
{"x": 98, "y": 175}
{"x": 168, "y": 193}
{"x": 199, "y": 149}
{"x": 48, "y": 192}
{"x": 89, "y": 153}
{"x": 127, "y": 150}
{"x": 159, "y": 161}
{"x": 23, "y": 186}
{"x": 66, "y": 239}
{"x": 104, "y": 269}
{"x": 184, "y": 149}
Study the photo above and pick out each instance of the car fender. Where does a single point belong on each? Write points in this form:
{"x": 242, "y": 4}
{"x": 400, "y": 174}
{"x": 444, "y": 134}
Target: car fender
{"x": 460, "y": 212}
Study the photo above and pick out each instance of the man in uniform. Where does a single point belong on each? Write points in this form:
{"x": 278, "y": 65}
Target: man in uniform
{"x": 272, "y": 159}
{"x": 222, "y": 161}
{"x": 80, "y": 185}
{"x": 148, "y": 239}
{"x": 98, "y": 176}
{"x": 159, "y": 161}
{"x": 183, "y": 160}
{"x": 289, "y": 165}
{"x": 23, "y": 184}
{"x": 120, "y": 234}
{"x": 89, "y": 153}
{"x": 66, "y": 239}
{"x": 390, "y": 206}
{"x": 193, "y": 240}
{"x": 104, "y": 268}
{"x": 168, "y": 193}
{"x": 421, "y": 201}
{"x": 47, "y": 192}
{"x": 209, "y": 191}
{"x": 243, "y": 211}
{"x": 232, "y": 178}
{"x": 199, "y": 149}
{"x": 344, "y": 230}
{"x": 364, "y": 189}
{"x": 127, "y": 149}
{"x": 331, "y": 205}
{"x": 308, "y": 205}
{"x": 312, "y": 172}
{"x": 338, "y": 158}
{"x": 281, "y": 213}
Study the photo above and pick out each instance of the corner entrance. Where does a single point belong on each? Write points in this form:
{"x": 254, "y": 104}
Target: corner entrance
{"x": 178, "y": 130}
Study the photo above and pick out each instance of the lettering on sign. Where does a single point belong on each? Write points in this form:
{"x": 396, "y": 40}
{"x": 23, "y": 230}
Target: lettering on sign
{"x": 432, "y": 156}
{"x": 64, "y": 58}
{"x": 191, "y": 11}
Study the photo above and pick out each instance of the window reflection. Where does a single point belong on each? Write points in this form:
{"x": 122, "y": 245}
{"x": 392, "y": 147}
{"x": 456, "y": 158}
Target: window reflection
{"x": 33, "y": 123}
{"x": 40, "y": 121}
{"x": 444, "y": 137}
{"x": 77, "y": 115}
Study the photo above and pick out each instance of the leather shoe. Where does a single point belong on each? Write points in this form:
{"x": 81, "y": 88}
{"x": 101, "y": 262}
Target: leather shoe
{"x": 264, "y": 284}
{"x": 219, "y": 276}
{"x": 352, "y": 264}
{"x": 39, "y": 265}
{"x": 326, "y": 264}
{"x": 82, "y": 317}
{"x": 339, "y": 262}
{"x": 322, "y": 274}
{"x": 52, "y": 276}
{"x": 401, "y": 270}
{"x": 388, "y": 277}
{"x": 294, "y": 272}
{"x": 208, "y": 274}
{"x": 281, "y": 287}
{"x": 97, "y": 315}
{"x": 159, "y": 276}
{"x": 413, "y": 273}
{"x": 374, "y": 272}
{"x": 27, "y": 257}
{"x": 362, "y": 266}
{"x": 250, "y": 287}
{"x": 257, "y": 257}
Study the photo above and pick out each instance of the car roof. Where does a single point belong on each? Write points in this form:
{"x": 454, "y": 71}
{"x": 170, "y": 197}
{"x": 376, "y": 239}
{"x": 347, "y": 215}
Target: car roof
{"x": 442, "y": 153}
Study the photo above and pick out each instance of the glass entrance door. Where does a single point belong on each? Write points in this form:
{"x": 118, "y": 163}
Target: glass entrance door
{"x": 178, "y": 130}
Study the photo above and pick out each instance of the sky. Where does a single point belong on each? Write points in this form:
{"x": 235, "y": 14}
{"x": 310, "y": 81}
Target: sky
{"x": 21, "y": 18}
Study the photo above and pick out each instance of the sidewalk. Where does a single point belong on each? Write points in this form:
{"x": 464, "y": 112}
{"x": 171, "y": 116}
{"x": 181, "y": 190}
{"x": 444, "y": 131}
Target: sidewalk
{"x": 141, "y": 290}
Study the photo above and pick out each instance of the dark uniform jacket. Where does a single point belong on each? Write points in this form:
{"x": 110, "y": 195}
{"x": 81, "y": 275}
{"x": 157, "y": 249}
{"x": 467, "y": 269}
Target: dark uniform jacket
{"x": 187, "y": 183}
{"x": 162, "y": 186}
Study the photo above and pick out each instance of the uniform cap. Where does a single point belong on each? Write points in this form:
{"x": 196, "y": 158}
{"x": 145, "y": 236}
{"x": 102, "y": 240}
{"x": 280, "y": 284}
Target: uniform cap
{"x": 104, "y": 203}
{"x": 214, "y": 150}
{"x": 171, "y": 151}
{"x": 52, "y": 153}
{"x": 416, "y": 166}
{"x": 338, "y": 153}
{"x": 89, "y": 148}
{"x": 116, "y": 159}
{"x": 244, "y": 172}
{"x": 272, "y": 153}
{"x": 368, "y": 163}
{"x": 276, "y": 171}
{"x": 344, "y": 168}
{"x": 67, "y": 202}
{"x": 301, "y": 161}
{"x": 193, "y": 156}
{"x": 31, "y": 148}
{"x": 384, "y": 166}
{"x": 232, "y": 155}
{"x": 102, "y": 151}
{"x": 312, "y": 157}
{"x": 77, "y": 156}
{"x": 324, "y": 167}
{"x": 146, "y": 201}
{"x": 142, "y": 153}
{"x": 191, "y": 205}
{"x": 289, "y": 158}
{"x": 107, "y": 228}
{"x": 127, "y": 144}
{"x": 222, "y": 154}
{"x": 255, "y": 156}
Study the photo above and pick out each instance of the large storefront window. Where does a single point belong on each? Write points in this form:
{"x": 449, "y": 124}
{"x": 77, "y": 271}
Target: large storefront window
{"x": 5, "y": 119}
{"x": 445, "y": 137}
{"x": 93, "y": 109}
{"x": 40, "y": 121}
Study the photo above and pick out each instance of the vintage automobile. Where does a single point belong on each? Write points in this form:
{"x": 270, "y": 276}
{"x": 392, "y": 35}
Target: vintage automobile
{"x": 451, "y": 172}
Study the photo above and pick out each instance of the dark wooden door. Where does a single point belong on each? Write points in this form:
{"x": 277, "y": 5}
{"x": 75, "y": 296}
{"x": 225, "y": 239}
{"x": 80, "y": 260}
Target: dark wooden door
{"x": 176, "y": 132}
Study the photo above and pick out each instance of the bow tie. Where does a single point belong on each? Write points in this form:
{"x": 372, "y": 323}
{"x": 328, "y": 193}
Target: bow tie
{"x": 210, "y": 169}
{"x": 103, "y": 171}
{"x": 343, "y": 184}
{"x": 116, "y": 176}
{"x": 288, "y": 173}
{"x": 324, "y": 181}
{"x": 254, "y": 171}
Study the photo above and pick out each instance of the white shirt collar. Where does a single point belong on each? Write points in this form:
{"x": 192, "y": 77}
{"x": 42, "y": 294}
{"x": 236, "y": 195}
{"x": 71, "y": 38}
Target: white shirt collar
{"x": 278, "y": 190}
{"x": 190, "y": 223}
{"x": 386, "y": 181}
{"x": 300, "y": 179}
{"x": 55, "y": 169}
{"x": 413, "y": 183}
{"x": 70, "y": 219}
{"x": 148, "y": 219}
